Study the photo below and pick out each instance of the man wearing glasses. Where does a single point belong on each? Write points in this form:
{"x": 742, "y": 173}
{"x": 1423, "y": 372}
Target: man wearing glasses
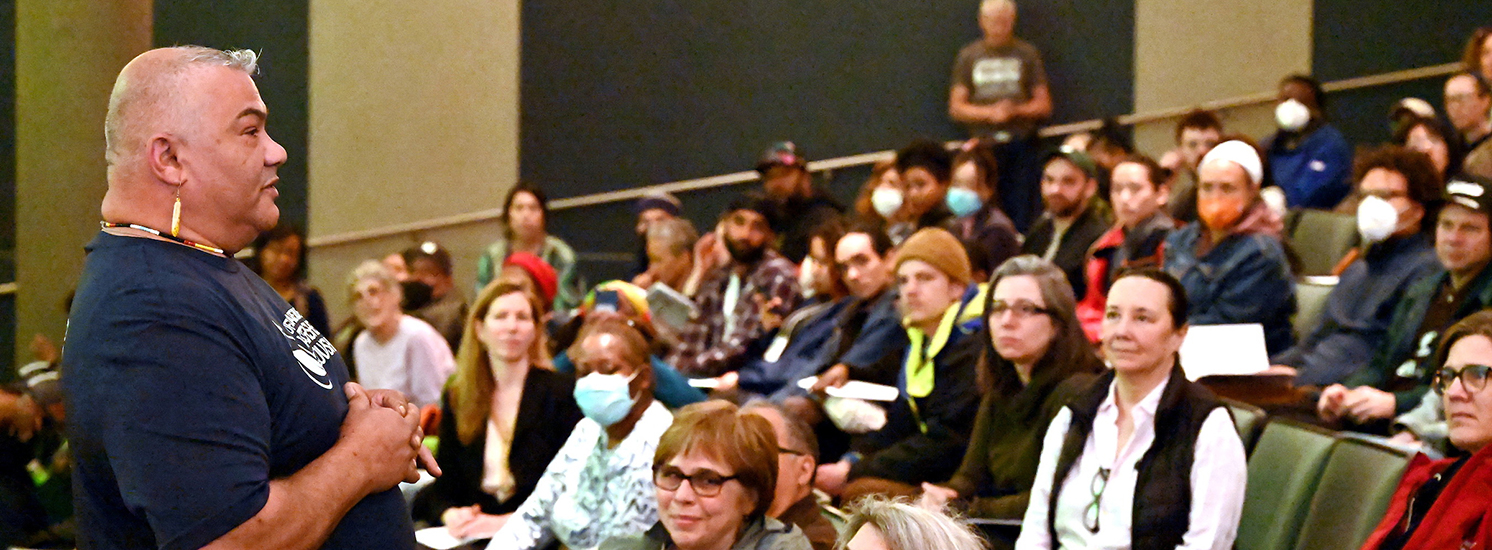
{"x": 1399, "y": 374}
{"x": 1445, "y": 503}
{"x": 1397, "y": 253}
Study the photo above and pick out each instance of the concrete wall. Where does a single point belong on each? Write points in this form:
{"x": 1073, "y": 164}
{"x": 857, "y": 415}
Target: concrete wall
{"x": 408, "y": 100}
{"x": 67, "y": 55}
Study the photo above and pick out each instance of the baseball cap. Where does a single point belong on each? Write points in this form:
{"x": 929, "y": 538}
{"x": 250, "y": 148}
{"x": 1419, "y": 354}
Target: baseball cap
{"x": 782, "y": 153}
{"x": 1470, "y": 191}
{"x": 1076, "y": 157}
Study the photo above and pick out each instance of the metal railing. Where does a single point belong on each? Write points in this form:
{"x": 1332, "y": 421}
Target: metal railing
{"x": 862, "y": 159}
{"x": 9, "y": 288}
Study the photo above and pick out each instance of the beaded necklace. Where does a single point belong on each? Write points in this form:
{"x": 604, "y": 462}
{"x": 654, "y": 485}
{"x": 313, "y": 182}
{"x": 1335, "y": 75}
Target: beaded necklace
{"x": 164, "y": 235}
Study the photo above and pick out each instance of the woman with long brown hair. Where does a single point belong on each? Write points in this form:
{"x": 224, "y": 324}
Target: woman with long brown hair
{"x": 505, "y": 415}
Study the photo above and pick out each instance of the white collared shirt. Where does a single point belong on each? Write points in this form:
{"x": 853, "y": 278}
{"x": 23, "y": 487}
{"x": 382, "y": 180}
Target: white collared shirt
{"x": 1219, "y": 472}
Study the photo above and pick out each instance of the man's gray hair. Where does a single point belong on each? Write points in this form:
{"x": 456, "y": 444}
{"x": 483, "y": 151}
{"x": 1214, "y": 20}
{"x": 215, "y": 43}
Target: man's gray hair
{"x": 989, "y": 6}
{"x": 676, "y": 235}
{"x": 800, "y": 435}
{"x": 159, "y": 88}
{"x": 905, "y": 526}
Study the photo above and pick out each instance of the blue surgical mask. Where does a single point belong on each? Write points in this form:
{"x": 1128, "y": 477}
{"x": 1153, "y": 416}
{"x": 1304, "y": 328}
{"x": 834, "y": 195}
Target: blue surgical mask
{"x": 605, "y": 398}
{"x": 962, "y": 201}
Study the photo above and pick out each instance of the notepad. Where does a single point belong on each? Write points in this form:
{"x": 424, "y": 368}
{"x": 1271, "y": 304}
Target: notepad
{"x": 1211, "y": 350}
{"x": 439, "y": 538}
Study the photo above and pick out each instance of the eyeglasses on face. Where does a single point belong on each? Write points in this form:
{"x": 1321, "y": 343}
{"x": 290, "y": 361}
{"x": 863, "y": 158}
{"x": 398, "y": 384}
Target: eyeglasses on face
{"x": 1023, "y": 310}
{"x": 705, "y": 483}
{"x": 1473, "y": 377}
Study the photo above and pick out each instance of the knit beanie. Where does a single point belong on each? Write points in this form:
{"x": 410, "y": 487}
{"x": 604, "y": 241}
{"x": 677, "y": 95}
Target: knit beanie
{"x": 540, "y": 271}
{"x": 940, "y": 249}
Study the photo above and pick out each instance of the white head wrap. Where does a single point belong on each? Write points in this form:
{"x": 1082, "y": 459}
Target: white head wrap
{"x": 1240, "y": 153}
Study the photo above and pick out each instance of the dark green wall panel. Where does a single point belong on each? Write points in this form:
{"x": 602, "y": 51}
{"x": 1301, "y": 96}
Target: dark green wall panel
{"x": 279, "y": 30}
{"x": 617, "y": 95}
{"x": 1365, "y": 37}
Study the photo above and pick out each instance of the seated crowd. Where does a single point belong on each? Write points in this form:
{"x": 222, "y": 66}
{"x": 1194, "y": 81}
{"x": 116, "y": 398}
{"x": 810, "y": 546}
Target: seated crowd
{"x": 1034, "y": 377}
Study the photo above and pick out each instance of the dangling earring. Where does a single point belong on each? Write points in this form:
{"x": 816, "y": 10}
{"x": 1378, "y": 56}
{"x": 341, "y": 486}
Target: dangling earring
{"x": 176, "y": 215}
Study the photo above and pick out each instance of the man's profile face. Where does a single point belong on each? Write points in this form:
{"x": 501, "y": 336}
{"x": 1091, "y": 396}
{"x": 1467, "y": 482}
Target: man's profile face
{"x": 229, "y": 161}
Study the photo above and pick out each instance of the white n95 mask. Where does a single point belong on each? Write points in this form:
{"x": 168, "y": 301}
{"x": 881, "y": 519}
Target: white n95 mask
{"x": 1292, "y": 115}
{"x": 1376, "y": 219}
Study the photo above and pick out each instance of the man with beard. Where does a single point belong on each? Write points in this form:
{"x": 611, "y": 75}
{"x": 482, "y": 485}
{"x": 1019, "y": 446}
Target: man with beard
{"x": 1074, "y": 216}
{"x": 786, "y": 181}
{"x": 742, "y": 299}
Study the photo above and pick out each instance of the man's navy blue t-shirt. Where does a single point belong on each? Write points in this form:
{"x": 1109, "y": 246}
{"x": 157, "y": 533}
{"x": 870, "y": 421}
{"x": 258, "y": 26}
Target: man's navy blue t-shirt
{"x": 190, "y": 385}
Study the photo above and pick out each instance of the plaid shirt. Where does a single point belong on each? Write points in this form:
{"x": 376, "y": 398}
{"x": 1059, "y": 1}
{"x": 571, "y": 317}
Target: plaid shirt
{"x": 706, "y": 348}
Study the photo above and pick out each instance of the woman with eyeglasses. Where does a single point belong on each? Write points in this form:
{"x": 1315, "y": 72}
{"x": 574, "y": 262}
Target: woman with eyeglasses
{"x": 715, "y": 474}
{"x": 1448, "y": 503}
{"x": 1035, "y": 359}
{"x": 600, "y": 485}
{"x": 1143, "y": 458}
{"x": 505, "y": 415}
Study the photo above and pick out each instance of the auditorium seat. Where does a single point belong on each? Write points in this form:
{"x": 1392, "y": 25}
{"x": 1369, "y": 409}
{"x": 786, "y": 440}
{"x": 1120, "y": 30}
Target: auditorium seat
{"x": 1283, "y": 471}
{"x": 1356, "y": 484}
{"x": 1320, "y": 238}
{"x": 1310, "y": 300}
{"x": 1248, "y": 419}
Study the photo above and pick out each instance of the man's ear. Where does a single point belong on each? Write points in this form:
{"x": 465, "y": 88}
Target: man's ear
{"x": 162, "y": 154}
{"x": 807, "y": 467}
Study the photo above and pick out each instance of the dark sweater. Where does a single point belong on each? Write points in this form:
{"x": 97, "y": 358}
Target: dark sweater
{"x": 547, "y": 413}
{"x": 1072, "y": 250}
{"x": 995, "y": 478}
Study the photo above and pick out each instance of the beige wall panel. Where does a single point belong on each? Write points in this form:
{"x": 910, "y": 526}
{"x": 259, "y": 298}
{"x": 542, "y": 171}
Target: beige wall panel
{"x": 67, "y": 55}
{"x": 414, "y": 110}
{"x": 1157, "y": 137}
{"x": 332, "y": 264}
{"x": 413, "y": 116}
{"x": 1188, "y": 51}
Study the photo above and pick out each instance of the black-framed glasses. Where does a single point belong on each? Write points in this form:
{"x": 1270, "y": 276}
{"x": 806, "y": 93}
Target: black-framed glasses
{"x": 1474, "y": 377}
{"x": 1022, "y": 309}
{"x": 704, "y": 482}
{"x": 1099, "y": 483}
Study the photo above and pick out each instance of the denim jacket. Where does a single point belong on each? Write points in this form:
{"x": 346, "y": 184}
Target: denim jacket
{"x": 1245, "y": 278}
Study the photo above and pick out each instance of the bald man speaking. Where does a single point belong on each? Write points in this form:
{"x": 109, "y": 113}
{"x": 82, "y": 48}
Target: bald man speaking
{"x": 204, "y": 410}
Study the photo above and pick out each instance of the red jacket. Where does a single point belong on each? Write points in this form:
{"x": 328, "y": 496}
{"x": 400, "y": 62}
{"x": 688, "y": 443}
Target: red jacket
{"x": 1150, "y": 247}
{"x": 1460, "y": 518}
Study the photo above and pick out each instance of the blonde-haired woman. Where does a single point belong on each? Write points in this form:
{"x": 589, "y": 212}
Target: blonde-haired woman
{"x": 505, "y": 415}
{"x": 878, "y": 523}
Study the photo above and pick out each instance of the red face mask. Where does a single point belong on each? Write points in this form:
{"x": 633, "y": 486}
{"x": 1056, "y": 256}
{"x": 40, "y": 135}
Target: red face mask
{"x": 1220, "y": 212}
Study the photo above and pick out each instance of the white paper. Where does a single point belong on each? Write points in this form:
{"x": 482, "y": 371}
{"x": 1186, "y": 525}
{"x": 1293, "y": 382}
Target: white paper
{"x": 669, "y": 306}
{"x": 438, "y": 538}
{"x": 704, "y": 383}
{"x": 855, "y": 389}
{"x": 1224, "y": 350}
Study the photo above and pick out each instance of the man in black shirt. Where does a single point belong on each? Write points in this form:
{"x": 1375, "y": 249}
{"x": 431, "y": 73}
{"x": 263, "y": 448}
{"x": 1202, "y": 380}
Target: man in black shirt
{"x": 204, "y": 411}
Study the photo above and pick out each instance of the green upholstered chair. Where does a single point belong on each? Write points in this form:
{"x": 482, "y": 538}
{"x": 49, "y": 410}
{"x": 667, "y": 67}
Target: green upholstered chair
{"x": 1248, "y": 419}
{"x": 1358, "y": 481}
{"x": 1283, "y": 470}
{"x": 1320, "y": 238}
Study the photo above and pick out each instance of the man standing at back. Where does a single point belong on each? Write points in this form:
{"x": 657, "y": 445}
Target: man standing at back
{"x": 204, "y": 411}
{"x": 1000, "y": 92}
